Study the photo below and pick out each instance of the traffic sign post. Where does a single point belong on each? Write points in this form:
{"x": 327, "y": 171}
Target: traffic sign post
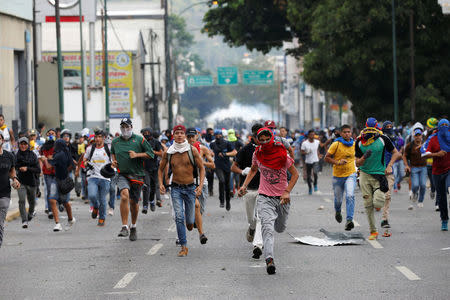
{"x": 203, "y": 80}
{"x": 227, "y": 76}
{"x": 257, "y": 77}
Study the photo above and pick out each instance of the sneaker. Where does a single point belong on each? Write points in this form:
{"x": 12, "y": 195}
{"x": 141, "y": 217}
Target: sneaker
{"x": 86, "y": 201}
{"x": 338, "y": 216}
{"x": 385, "y": 224}
{"x": 145, "y": 210}
{"x": 123, "y": 232}
{"x": 133, "y": 234}
{"x": 152, "y": 207}
{"x": 395, "y": 190}
{"x": 46, "y": 211}
{"x": 222, "y": 205}
{"x": 420, "y": 205}
{"x": 50, "y": 215}
{"x": 377, "y": 208}
{"x": 415, "y": 197}
{"x": 250, "y": 234}
{"x": 310, "y": 191}
{"x": 183, "y": 252}
{"x": 94, "y": 213}
{"x": 110, "y": 212}
{"x": 159, "y": 203}
{"x": 257, "y": 252}
{"x": 444, "y": 226}
{"x": 70, "y": 223}
{"x": 228, "y": 206}
{"x": 57, "y": 227}
{"x": 315, "y": 188}
{"x": 78, "y": 195}
{"x": 373, "y": 236}
{"x": 349, "y": 225}
{"x": 25, "y": 224}
{"x": 270, "y": 266}
{"x": 436, "y": 208}
{"x": 410, "y": 207}
{"x": 101, "y": 222}
{"x": 203, "y": 239}
{"x": 432, "y": 195}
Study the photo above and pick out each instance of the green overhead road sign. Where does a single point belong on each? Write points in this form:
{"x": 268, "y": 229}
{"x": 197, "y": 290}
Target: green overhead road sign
{"x": 257, "y": 77}
{"x": 227, "y": 75}
{"x": 203, "y": 80}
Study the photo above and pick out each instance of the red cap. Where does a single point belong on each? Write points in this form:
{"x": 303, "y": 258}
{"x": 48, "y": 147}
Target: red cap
{"x": 179, "y": 127}
{"x": 270, "y": 124}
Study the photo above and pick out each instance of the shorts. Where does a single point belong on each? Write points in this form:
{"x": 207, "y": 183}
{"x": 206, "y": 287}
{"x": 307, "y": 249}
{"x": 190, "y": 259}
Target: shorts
{"x": 53, "y": 192}
{"x": 134, "y": 189}
{"x": 204, "y": 195}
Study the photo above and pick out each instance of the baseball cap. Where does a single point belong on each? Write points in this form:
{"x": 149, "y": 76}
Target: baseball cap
{"x": 179, "y": 127}
{"x": 23, "y": 139}
{"x": 270, "y": 124}
{"x": 126, "y": 121}
{"x": 191, "y": 131}
{"x": 33, "y": 132}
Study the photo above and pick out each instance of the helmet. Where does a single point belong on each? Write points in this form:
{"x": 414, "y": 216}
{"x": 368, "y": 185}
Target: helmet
{"x": 107, "y": 171}
{"x": 432, "y": 122}
{"x": 66, "y": 131}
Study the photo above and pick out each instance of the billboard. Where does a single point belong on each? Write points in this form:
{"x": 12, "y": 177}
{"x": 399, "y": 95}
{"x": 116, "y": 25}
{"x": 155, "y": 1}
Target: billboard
{"x": 120, "y": 69}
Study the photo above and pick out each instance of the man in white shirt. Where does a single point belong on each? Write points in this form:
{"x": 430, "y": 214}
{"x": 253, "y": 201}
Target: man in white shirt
{"x": 96, "y": 156}
{"x": 310, "y": 148}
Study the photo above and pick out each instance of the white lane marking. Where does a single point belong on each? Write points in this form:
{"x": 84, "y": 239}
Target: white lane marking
{"x": 164, "y": 212}
{"x": 327, "y": 200}
{"x": 448, "y": 248}
{"x": 408, "y": 273}
{"x": 154, "y": 249}
{"x": 375, "y": 244}
{"x": 122, "y": 293}
{"x": 172, "y": 228}
{"x": 356, "y": 223}
{"x": 257, "y": 266}
{"x": 125, "y": 280}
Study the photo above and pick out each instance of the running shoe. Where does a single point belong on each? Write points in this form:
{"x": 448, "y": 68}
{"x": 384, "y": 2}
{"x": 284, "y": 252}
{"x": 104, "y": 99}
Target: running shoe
{"x": 436, "y": 208}
{"x": 228, "y": 206}
{"x": 183, "y": 252}
{"x": 349, "y": 225}
{"x": 152, "y": 207}
{"x": 57, "y": 227}
{"x": 415, "y": 197}
{"x": 110, "y": 211}
{"x": 133, "y": 234}
{"x": 338, "y": 216}
{"x": 444, "y": 226}
{"x": 30, "y": 216}
{"x": 222, "y": 205}
{"x": 70, "y": 223}
{"x": 385, "y": 224}
{"x": 101, "y": 222}
{"x": 250, "y": 234}
{"x": 145, "y": 210}
{"x": 159, "y": 203}
{"x": 420, "y": 204}
{"x": 25, "y": 224}
{"x": 94, "y": 213}
{"x": 316, "y": 188}
{"x": 203, "y": 239}
{"x": 373, "y": 236}
{"x": 310, "y": 191}
{"x": 50, "y": 215}
{"x": 123, "y": 232}
{"x": 257, "y": 252}
{"x": 410, "y": 207}
{"x": 270, "y": 266}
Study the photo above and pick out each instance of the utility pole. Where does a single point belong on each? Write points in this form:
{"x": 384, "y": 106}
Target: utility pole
{"x": 394, "y": 64}
{"x": 168, "y": 63}
{"x": 152, "y": 73}
{"x": 413, "y": 78}
{"x": 83, "y": 83}
{"x": 60, "y": 66}
{"x": 35, "y": 60}
{"x": 106, "y": 70}
{"x": 279, "y": 96}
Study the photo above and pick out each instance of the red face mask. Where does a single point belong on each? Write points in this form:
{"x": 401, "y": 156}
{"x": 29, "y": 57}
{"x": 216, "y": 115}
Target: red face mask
{"x": 271, "y": 154}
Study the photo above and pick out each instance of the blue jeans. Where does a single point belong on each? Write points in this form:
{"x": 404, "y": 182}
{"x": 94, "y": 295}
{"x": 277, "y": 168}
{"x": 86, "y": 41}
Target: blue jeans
{"x": 186, "y": 196}
{"x": 347, "y": 184}
{"x": 97, "y": 189}
{"x": 399, "y": 172}
{"x": 112, "y": 192}
{"x": 419, "y": 181}
{"x": 442, "y": 182}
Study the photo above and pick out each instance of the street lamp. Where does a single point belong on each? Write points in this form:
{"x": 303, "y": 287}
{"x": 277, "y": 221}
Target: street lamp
{"x": 195, "y": 4}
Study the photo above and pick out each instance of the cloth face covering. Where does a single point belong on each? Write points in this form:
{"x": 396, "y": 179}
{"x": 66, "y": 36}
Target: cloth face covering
{"x": 369, "y": 135}
{"x": 179, "y": 147}
{"x": 443, "y": 135}
{"x": 271, "y": 154}
{"x": 126, "y": 132}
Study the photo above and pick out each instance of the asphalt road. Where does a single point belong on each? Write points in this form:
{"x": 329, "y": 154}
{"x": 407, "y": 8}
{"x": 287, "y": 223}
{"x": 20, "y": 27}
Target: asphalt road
{"x": 89, "y": 262}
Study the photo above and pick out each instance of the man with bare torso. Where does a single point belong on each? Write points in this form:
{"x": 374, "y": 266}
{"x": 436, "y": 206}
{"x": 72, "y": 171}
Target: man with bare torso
{"x": 182, "y": 159}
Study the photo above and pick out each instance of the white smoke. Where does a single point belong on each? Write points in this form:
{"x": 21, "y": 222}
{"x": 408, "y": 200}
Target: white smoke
{"x": 248, "y": 113}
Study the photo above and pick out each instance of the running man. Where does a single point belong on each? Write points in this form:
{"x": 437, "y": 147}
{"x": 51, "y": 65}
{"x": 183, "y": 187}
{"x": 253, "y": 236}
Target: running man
{"x": 200, "y": 201}
{"x": 341, "y": 155}
{"x": 8, "y": 135}
{"x": 242, "y": 165}
{"x": 128, "y": 152}
{"x": 273, "y": 200}
{"x": 183, "y": 159}
{"x": 310, "y": 148}
{"x": 370, "y": 149}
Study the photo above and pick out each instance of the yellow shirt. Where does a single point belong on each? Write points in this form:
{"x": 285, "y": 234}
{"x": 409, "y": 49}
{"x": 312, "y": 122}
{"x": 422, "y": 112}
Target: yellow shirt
{"x": 340, "y": 151}
{"x": 81, "y": 148}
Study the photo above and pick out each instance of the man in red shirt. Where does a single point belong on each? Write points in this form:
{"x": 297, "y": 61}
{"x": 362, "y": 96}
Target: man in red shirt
{"x": 439, "y": 149}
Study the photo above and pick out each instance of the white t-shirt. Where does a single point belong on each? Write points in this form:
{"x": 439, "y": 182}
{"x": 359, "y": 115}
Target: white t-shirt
{"x": 311, "y": 151}
{"x": 98, "y": 160}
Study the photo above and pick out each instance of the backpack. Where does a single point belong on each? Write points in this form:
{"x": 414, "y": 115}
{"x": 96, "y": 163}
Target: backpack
{"x": 93, "y": 149}
{"x": 191, "y": 159}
